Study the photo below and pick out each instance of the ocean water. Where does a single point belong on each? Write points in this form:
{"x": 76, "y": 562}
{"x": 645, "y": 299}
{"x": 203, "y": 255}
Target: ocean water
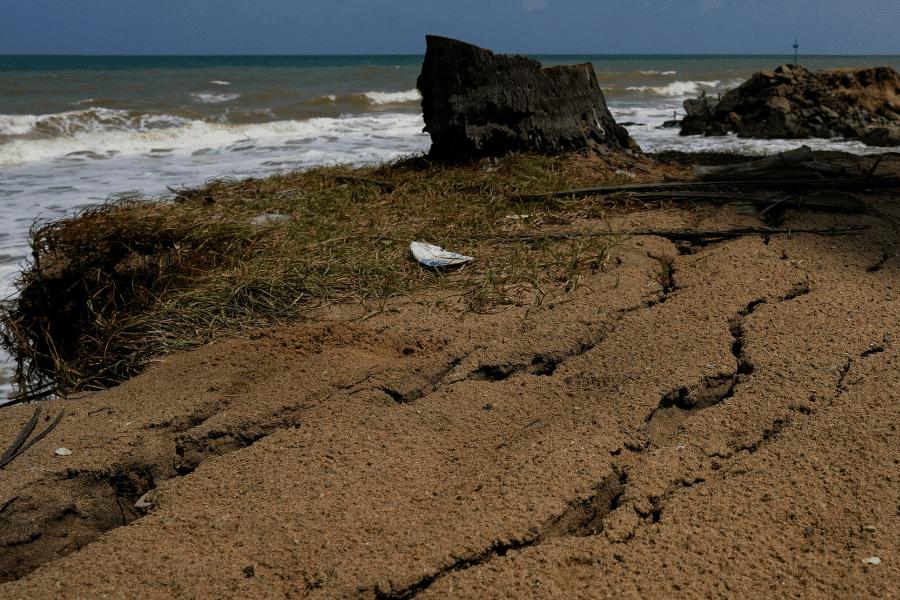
{"x": 76, "y": 130}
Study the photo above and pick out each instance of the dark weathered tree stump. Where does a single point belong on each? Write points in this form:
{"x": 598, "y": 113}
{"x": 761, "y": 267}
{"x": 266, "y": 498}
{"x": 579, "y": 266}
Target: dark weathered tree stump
{"x": 477, "y": 103}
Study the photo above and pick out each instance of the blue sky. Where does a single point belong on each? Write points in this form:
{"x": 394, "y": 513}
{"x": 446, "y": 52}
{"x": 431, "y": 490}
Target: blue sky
{"x": 400, "y": 26}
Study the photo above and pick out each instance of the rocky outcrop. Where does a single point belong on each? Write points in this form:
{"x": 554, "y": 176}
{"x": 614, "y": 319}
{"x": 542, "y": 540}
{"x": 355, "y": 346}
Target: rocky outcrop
{"x": 794, "y": 102}
{"x": 477, "y": 103}
{"x": 701, "y": 115}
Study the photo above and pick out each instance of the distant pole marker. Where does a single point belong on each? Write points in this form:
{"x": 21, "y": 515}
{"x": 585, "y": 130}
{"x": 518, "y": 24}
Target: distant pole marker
{"x": 795, "y": 51}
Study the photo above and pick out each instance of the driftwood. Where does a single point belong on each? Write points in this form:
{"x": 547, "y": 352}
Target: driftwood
{"x": 699, "y": 234}
{"x": 821, "y": 167}
{"x": 791, "y": 158}
{"x": 766, "y": 202}
{"x": 859, "y": 183}
{"x": 606, "y": 190}
{"x": 683, "y": 234}
{"x": 18, "y": 446}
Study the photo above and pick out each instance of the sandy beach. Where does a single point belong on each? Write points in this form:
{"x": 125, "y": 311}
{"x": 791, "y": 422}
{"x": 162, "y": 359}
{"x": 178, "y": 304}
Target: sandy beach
{"x": 700, "y": 420}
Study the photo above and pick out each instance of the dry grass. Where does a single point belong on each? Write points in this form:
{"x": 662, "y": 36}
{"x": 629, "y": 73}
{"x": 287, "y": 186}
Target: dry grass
{"x": 132, "y": 279}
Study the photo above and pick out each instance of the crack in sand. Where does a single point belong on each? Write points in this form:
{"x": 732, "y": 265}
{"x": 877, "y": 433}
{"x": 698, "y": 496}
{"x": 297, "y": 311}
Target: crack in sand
{"x": 871, "y": 351}
{"x": 582, "y": 517}
{"x": 585, "y": 517}
{"x": 429, "y": 383}
{"x": 498, "y": 549}
{"x": 545, "y": 364}
{"x": 683, "y": 403}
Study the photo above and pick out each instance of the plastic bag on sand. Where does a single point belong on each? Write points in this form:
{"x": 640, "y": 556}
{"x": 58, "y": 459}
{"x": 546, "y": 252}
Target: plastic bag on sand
{"x": 433, "y": 256}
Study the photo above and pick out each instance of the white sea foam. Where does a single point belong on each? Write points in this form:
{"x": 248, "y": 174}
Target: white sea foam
{"x": 676, "y": 88}
{"x": 92, "y": 120}
{"x": 393, "y": 97}
{"x": 218, "y": 82}
{"x": 17, "y": 124}
{"x": 213, "y": 98}
{"x": 654, "y": 140}
{"x": 374, "y": 98}
{"x": 657, "y": 72}
{"x": 193, "y": 136}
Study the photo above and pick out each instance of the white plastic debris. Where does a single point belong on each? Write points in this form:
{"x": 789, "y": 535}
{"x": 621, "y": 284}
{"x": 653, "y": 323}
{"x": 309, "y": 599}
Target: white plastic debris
{"x": 266, "y": 219}
{"x": 434, "y": 256}
{"x": 63, "y": 452}
{"x": 872, "y": 560}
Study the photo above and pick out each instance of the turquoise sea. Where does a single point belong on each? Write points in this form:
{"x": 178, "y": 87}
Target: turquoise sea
{"x": 76, "y": 130}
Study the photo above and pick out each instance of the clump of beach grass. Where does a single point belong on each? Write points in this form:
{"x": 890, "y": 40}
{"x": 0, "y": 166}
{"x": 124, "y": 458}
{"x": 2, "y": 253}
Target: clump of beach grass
{"x": 119, "y": 284}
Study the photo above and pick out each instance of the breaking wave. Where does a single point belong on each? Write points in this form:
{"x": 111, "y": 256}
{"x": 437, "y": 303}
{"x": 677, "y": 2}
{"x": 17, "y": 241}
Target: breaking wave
{"x": 369, "y": 98}
{"x": 92, "y": 120}
{"x": 213, "y": 98}
{"x": 181, "y": 135}
{"x": 677, "y": 88}
{"x": 393, "y": 97}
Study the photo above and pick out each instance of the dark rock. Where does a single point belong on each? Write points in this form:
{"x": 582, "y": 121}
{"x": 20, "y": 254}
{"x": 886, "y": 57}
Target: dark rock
{"x": 786, "y": 71}
{"x": 779, "y": 103}
{"x": 716, "y": 129}
{"x": 703, "y": 107}
{"x": 793, "y": 102}
{"x": 477, "y": 103}
{"x": 848, "y": 130}
{"x": 693, "y": 126}
{"x": 881, "y": 136}
{"x": 825, "y": 133}
{"x": 758, "y": 82}
{"x": 829, "y": 113}
{"x": 671, "y": 123}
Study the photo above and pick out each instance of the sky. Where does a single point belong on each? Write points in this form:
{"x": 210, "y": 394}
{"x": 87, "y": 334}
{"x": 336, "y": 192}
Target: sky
{"x": 399, "y": 26}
